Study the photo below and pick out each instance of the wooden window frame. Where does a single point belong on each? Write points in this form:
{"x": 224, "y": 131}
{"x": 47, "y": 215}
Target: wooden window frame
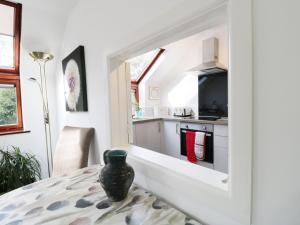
{"x": 135, "y": 88}
{"x": 135, "y": 84}
{"x": 12, "y": 75}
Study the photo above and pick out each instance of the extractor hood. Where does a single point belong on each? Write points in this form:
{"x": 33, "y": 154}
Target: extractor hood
{"x": 210, "y": 57}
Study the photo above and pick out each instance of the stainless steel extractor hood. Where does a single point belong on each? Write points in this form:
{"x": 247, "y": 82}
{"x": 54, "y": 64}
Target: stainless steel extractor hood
{"x": 210, "y": 57}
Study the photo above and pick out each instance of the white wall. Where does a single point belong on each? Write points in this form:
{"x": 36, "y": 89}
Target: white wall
{"x": 276, "y": 186}
{"x": 107, "y": 28}
{"x": 276, "y": 183}
{"x": 179, "y": 88}
{"x": 101, "y": 39}
{"x": 41, "y": 31}
{"x": 104, "y": 30}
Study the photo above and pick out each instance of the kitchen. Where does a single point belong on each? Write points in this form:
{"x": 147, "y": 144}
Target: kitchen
{"x": 179, "y": 96}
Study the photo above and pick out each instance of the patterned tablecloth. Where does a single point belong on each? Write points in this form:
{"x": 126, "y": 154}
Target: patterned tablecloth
{"x": 78, "y": 199}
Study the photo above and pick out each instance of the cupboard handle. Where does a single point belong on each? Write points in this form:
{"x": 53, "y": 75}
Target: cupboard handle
{"x": 177, "y": 130}
{"x": 159, "y": 127}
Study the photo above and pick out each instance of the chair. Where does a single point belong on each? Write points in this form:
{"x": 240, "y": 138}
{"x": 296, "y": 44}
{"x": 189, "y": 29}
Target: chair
{"x": 72, "y": 149}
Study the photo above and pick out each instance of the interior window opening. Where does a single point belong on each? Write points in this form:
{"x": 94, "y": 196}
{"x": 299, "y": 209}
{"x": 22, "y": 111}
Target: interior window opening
{"x": 180, "y": 108}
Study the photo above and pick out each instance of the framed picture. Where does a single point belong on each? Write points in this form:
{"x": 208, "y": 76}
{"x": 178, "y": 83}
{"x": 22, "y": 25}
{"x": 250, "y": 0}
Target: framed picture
{"x": 75, "y": 81}
{"x": 154, "y": 93}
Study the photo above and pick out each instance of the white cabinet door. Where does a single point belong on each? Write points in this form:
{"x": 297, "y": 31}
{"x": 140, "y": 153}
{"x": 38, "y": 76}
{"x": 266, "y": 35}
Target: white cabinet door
{"x": 221, "y": 159}
{"x": 221, "y": 148}
{"x": 220, "y": 141}
{"x": 171, "y": 138}
{"x": 147, "y": 135}
{"x": 221, "y": 130}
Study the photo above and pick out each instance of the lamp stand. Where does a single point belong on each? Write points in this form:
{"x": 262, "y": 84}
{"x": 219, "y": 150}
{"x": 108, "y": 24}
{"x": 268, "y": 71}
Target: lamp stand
{"x": 42, "y": 58}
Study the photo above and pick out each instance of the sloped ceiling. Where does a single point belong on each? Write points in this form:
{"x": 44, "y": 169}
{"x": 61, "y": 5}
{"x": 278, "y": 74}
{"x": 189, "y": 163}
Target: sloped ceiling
{"x": 60, "y": 8}
{"x": 186, "y": 53}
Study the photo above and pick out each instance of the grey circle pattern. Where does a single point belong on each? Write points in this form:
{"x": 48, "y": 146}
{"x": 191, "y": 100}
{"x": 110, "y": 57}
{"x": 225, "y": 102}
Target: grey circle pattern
{"x": 82, "y": 203}
{"x": 78, "y": 199}
{"x": 57, "y": 205}
{"x": 104, "y": 204}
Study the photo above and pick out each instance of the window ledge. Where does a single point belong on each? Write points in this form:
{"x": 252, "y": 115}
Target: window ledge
{"x": 2, "y": 133}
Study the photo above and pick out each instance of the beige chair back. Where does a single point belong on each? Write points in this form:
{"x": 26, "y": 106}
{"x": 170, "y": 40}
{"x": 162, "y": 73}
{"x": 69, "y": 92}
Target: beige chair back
{"x": 72, "y": 150}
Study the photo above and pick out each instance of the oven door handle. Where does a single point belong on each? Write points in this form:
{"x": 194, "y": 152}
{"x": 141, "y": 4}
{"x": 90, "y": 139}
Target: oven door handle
{"x": 207, "y": 134}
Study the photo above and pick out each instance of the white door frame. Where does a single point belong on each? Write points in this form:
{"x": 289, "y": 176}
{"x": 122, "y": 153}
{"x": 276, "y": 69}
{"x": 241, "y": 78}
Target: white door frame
{"x": 233, "y": 204}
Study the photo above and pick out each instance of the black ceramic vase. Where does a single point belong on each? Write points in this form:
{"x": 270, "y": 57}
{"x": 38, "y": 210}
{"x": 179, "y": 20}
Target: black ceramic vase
{"x": 117, "y": 176}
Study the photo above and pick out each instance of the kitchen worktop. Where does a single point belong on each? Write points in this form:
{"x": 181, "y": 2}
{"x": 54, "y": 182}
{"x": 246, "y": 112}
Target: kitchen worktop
{"x": 181, "y": 119}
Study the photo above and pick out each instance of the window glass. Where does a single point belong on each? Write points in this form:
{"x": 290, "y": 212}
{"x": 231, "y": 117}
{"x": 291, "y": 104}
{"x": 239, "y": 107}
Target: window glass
{"x": 7, "y": 14}
{"x": 7, "y": 20}
{"x": 6, "y": 51}
{"x": 10, "y": 93}
{"x": 140, "y": 63}
{"x": 8, "y": 104}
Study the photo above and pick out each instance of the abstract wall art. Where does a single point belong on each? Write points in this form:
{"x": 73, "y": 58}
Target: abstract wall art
{"x": 75, "y": 81}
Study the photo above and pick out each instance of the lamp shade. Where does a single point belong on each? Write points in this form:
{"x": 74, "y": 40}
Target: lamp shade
{"x": 41, "y": 56}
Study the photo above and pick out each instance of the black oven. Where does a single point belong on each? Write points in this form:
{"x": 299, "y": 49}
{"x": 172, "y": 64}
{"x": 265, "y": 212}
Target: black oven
{"x": 209, "y": 150}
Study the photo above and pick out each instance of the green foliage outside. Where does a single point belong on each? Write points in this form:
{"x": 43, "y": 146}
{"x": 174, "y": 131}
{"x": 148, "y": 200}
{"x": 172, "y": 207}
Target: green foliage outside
{"x": 17, "y": 169}
{"x": 8, "y": 106}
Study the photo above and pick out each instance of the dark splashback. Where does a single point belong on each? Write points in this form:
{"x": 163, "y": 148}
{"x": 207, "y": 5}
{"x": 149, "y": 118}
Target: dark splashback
{"x": 213, "y": 94}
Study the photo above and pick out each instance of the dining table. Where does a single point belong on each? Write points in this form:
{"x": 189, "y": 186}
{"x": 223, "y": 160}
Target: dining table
{"x": 79, "y": 199}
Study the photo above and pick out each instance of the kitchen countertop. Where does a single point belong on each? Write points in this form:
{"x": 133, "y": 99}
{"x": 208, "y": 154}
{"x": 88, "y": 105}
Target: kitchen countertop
{"x": 180, "y": 119}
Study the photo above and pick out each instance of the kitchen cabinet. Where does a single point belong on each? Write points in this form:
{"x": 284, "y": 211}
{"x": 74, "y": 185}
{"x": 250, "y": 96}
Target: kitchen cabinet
{"x": 171, "y": 138}
{"x": 163, "y": 136}
{"x": 147, "y": 134}
{"x": 221, "y": 148}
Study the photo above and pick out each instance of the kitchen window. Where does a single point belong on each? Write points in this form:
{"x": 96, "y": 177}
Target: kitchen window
{"x": 10, "y": 91}
{"x": 140, "y": 66}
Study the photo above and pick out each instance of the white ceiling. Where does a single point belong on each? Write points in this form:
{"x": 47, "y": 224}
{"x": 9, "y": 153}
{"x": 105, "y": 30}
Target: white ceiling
{"x": 58, "y": 7}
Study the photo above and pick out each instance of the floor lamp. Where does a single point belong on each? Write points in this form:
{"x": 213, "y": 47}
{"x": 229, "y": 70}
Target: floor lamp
{"x": 42, "y": 58}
